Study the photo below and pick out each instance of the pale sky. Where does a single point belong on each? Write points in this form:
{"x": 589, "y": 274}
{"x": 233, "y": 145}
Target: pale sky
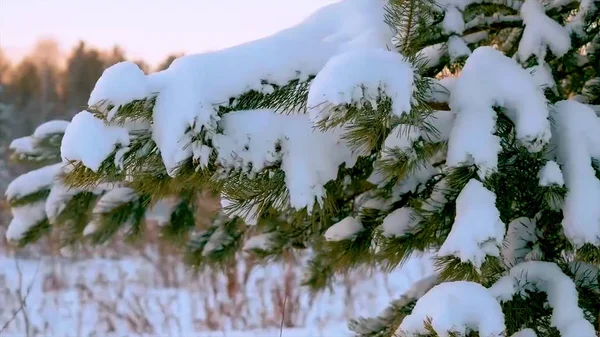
{"x": 147, "y": 29}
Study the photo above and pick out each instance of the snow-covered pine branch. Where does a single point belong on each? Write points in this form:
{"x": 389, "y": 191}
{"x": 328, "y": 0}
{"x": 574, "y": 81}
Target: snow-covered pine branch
{"x": 373, "y": 131}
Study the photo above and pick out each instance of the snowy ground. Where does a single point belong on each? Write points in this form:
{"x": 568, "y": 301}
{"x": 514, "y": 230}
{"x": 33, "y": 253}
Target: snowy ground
{"x": 142, "y": 297}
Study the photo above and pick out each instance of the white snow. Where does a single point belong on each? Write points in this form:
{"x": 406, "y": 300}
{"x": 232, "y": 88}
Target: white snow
{"x": 551, "y": 174}
{"x": 520, "y": 233}
{"x": 32, "y": 182}
{"x": 567, "y": 316}
{"x": 190, "y": 90}
{"x": 453, "y": 22}
{"x": 358, "y": 76}
{"x": 90, "y": 228}
{"x": 345, "y": 229}
{"x": 120, "y": 84}
{"x": 22, "y": 145}
{"x": 217, "y": 240}
{"x": 310, "y": 158}
{"x": 261, "y": 241}
{"x": 541, "y": 32}
{"x": 497, "y": 80}
{"x": 50, "y": 128}
{"x": 542, "y": 75}
{"x": 113, "y": 198}
{"x": 524, "y": 333}
{"x": 399, "y": 222}
{"x": 456, "y": 307}
{"x": 457, "y": 48}
{"x": 89, "y": 140}
{"x": 57, "y": 200}
{"x": 443, "y": 122}
{"x": 577, "y": 140}
{"x": 24, "y": 218}
{"x": 402, "y": 137}
{"x": 161, "y": 211}
{"x": 477, "y": 230}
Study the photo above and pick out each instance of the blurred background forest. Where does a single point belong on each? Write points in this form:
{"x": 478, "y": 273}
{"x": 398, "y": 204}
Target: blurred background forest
{"x": 48, "y": 84}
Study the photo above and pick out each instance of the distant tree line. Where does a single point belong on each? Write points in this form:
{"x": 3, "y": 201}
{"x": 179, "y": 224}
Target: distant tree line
{"x": 46, "y": 85}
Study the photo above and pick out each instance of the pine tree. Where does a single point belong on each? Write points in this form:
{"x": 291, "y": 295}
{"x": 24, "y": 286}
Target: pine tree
{"x": 370, "y": 133}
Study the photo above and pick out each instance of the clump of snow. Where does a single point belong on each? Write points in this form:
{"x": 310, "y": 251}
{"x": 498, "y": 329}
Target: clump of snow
{"x": 32, "y": 182}
{"x": 399, "y": 222}
{"x": 114, "y": 198}
{"x": 453, "y": 21}
{"x": 520, "y": 233}
{"x": 358, "y": 76}
{"x": 439, "y": 90}
{"x": 457, "y": 48}
{"x": 345, "y": 229}
{"x": 567, "y": 316}
{"x": 442, "y": 121}
{"x": 57, "y": 200}
{"x": 161, "y": 211}
{"x": 90, "y": 228}
{"x": 22, "y": 145}
{"x": 310, "y": 158}
{"x": 24, "y": 218}
{"x": 578, "y": 140}
{"x": 456, "y": 307}
{"x": 217, "y": 241}
{"x": 541, "y": 32}
{"x": 50, "y": 128}
{"x": 497, "y": 80}
{"x": 504, "y": 289}
{"x": 261, "y": 241}
{"x": 89, "y": 140}
{"x": 542, "y": 75}
{"x": 477, "y": 230}
{"x": 120, "y": 84}
{"x": 525, "y": 333}
{"x": 551, "y": 174}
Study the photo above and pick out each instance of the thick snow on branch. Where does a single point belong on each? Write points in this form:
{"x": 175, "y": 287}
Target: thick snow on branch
{"x": 310, "y": 158}
{"x": 190, "y": 90}
{"x": 57, "y": 200}
{"x": 567, "y": 316}
{"x": 477, "y": 230}
{"x": 22, "y": 145}
{"x": 577, "y": 138}
{"x": 50, "y": 128}
{"x": 498, "y": 81}
{"x": 541, "y": 32}
{"x": 524, "y": 333}
{"x": 89, "y": 140}
{"x": 345, "y": 229}
{"x": 399, "y": 222}
{"x": 456, "y": 307}
{"x": 32, "y": 182}
{"x": 362, "y": 75}
{"x": 551, "y": 174}
{"x": 114, "y": 198}
{"x": 261, "y": 241}
{"x": 132, "y": 85}
{"x": 24, "y": 218}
